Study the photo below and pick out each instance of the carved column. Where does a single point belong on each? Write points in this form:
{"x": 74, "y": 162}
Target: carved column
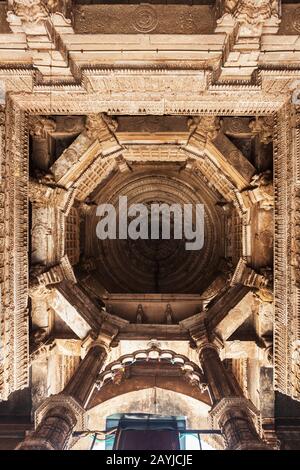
{"x": 60, "y": 414}
{"x": 231, "y": 411}
{"x": 54, "y": 431}
{"x": 81, "y": 384}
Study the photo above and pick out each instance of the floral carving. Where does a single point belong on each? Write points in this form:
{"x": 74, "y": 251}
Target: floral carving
{"x": 33, "y": 11}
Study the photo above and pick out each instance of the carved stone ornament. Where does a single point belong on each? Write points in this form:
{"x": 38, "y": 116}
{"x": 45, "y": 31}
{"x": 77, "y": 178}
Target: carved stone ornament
{"x": 100, "y": 126}
{"x": 296, "y": 370}
{"x": 34, "y": 11}
{"x": 58, "y": 273}
{"x": 248, "y": 277}
{"x": 264, "y": 127}
{"x": 31, "y": 11}
{"x": 226, "y": 403}
{"x": 251, "y": 11}
{"x": 40, "y": 126}
{"x": 62, "y": 400}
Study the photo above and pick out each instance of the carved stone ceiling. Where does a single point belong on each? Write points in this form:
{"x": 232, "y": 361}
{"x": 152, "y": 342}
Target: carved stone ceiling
{"x": 185, "y": 117}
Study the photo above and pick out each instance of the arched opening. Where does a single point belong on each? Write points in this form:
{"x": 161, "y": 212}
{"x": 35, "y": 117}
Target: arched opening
{"x": 183, "y": 419}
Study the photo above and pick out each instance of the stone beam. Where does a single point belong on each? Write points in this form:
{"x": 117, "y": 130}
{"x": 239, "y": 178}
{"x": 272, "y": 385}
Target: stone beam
{"x": 222, "y": 314}
{"x": 78, "y": 305}
{"x": 232, "y": 161}
{"x": 214, "y": 152}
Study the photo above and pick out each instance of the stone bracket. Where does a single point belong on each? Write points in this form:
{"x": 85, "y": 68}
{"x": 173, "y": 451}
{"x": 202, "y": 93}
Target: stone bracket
{"x": 62, "y": 400}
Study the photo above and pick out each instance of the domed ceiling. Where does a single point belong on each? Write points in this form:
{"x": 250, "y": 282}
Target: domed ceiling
{"x": 156, "y": 266}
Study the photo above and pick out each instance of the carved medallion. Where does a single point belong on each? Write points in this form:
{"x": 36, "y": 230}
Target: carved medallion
{"x": 145, "y": 19}
{"x": 296, "y": 20}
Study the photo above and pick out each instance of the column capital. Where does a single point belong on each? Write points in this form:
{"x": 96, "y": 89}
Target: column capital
{"x": 196, "y": 325}
{"x": 77, "y": 412}
{"x": 230, "y": 403}
{"x": 207, "y": 345}
{"x": 103, "y": 339}
{"x": 202, "y": 337}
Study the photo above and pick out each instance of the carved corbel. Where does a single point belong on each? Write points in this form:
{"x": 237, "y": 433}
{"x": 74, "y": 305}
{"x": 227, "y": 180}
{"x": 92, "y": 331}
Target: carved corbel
{"x": 201, "y": 336}
{"x": 58, "y": 273}
{"x": 122, "y": 164}
{"x": 202, "y": 130}
{"x": 29, "y": 11}
{"x": 260, "y": 282}
{"x": 43, "y": 345}
{"x": 104, "y": 338}
{"x": 263, "y": 127}
{"x": 41, "y": 126}
{"x": 43, "y": 21}
{"x": 41, "y": 194}
{"x": 102, "y": 128}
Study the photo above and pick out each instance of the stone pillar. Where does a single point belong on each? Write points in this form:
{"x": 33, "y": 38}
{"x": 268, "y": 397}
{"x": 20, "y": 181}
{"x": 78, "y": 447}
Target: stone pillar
{"x": 81, "y": 384}
{"x": 60, "y": 414}
{"x": 231, "y": 411}
{"x": 54, "y": 431}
